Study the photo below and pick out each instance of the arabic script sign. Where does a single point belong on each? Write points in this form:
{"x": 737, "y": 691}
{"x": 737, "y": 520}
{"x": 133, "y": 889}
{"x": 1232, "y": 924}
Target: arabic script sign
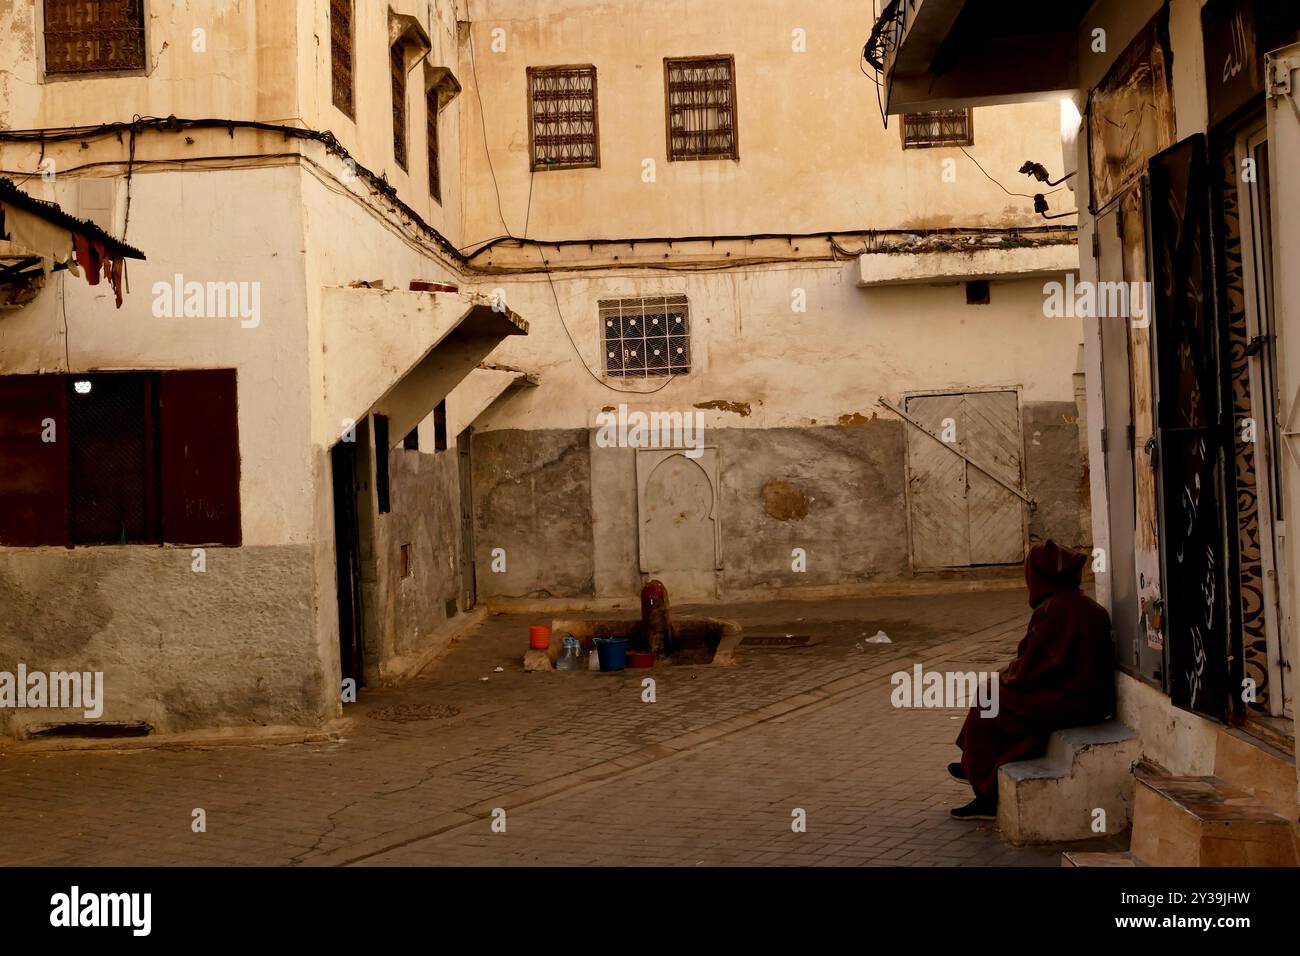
{"x": 1233, "y": 71}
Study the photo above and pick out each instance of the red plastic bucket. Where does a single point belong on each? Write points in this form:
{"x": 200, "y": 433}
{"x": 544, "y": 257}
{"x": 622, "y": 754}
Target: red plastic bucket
{"x": 640, "y": 659}
{"x": 539, "y": 637}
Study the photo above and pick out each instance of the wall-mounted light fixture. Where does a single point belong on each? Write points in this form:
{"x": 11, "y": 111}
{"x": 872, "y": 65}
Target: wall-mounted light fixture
{"x": 1041, "y": 207}
{"x": 1039, "y": 171}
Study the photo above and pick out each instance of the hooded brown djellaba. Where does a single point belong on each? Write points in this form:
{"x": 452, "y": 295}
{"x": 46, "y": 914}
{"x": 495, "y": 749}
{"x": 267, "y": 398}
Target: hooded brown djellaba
{"x": 1063, "y": 676}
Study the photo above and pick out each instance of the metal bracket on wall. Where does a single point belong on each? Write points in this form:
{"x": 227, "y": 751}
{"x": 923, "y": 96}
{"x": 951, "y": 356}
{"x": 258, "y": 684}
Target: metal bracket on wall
{"x": 1278, "y": 81}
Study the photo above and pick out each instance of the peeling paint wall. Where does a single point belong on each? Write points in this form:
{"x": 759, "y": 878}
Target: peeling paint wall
{"x": 566, "y": 509}
{"x": 414, "y": 610}
{"x": 1056, "y": 472}
{"x": 179, "y": 650}
{"x": 533, "y": 499}
{"x": 758, "y": 363}
{"x": 292, "y": 222}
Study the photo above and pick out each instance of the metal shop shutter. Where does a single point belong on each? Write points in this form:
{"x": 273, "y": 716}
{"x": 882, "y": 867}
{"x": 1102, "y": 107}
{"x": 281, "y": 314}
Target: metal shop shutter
{"x": 33, "y": 472}
{"x": 199, "y": 419}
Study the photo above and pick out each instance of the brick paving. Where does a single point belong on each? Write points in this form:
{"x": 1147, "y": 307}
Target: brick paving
{"x": 587, "y": 773}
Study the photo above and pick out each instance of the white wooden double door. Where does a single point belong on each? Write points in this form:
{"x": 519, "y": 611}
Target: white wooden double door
{"x": 959, "y": 515}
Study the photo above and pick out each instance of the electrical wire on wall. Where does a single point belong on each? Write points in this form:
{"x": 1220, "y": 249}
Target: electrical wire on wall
{"x": 63, "y": 306}
{"x": 528, "y": 215}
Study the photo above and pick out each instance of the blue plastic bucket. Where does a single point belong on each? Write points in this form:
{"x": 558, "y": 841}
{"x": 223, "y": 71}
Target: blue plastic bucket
{"x": 612, "y": 652}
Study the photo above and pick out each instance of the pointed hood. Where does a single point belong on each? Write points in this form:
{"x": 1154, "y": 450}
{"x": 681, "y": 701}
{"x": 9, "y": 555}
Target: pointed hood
{"x": 1049, "y": 568}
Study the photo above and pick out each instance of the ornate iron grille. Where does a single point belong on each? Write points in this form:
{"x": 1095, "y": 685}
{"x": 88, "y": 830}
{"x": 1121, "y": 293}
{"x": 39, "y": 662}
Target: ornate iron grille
{"x": 565, "y": 129}
{"x": 113, "y": 459}
{"x": 397, "y": 60}
{"x": 435, "y": 172}
{"x": 701, "y": 108}
{"x": 94, "y": 37}
{"x": 647, "y": 336}
{"x": 341, "y": 54}
{"x": 937, "y": 128}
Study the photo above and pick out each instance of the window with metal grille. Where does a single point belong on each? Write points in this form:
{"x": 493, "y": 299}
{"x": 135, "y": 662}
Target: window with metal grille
{"x": 120, "y": 458}
{"x": 341, "y": 55}
{"x": 701, "y": 108}
{"x": 937, "y": 128}
{"x": 104, "y": 36}
{"x": 435, "y": 172}
{"x": 397, "y": 62}
{"x": 647, "y": 336}
{"x": 565, "y": 129}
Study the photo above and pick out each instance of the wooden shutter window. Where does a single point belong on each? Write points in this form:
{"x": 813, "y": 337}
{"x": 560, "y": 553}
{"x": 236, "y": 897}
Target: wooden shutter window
{"x": 341, "y": 55}
{"x": 104, "y": 36}
{"x": 435, "y": 172}
{"x": 33, "y": 472}
{"x": 199, "y": 416}
{"x": 397, "y": 64}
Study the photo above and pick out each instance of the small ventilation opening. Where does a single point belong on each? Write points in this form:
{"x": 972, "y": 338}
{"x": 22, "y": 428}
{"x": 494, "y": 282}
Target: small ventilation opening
{"x": 94, "y": 731}
{"x": 977, "y": 292}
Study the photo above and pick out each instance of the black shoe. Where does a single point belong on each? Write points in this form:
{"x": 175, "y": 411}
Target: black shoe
{"x": 981, "y": 808}
{"x": 954, "y": 771}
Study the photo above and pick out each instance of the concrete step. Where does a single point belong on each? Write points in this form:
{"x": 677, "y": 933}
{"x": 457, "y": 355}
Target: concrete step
{"x": 1205, "y": 821}
{"x": 1055, "y": 798}
{"x": 1278, "y": 731}
{"x": 1259, "y": 768}
{"x": 1122, "y": 858}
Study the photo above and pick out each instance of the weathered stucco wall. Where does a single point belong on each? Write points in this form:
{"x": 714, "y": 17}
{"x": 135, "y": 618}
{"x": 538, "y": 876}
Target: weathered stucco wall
{"x": 1056, "y": 472}
{"x": 814, "y": 154}
{"x": 222, "y": 226}
{"x": 237, "y": 644}
{"x": 180, "y": 650}
{"x": 533, "y": 498}
{"x": 245, "y": 68}
{"x": 369, "y": 136}
{"x": 566, "y": 509}
{"x": 769, "y": 365}
{"x": 425, "y": 515}
{"x": 836, "y": 492}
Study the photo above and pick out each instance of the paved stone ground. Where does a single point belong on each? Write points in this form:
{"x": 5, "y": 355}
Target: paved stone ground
{"x": 587, "y": 773}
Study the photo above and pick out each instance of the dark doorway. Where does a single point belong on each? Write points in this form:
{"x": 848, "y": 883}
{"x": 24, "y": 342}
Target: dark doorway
{"x": 1191, "y": 432}
{"x": 468, "y": 583}
{"x": 347, "y": 559}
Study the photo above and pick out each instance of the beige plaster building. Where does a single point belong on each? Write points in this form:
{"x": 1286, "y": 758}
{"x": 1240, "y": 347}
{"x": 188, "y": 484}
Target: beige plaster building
{"x": 687, "y": 216}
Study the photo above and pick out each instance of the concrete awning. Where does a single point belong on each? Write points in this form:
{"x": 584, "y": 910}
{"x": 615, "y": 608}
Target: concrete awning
{"x": 911, "y": 268}
{"x": 410, "y": 33}
{"x": 948, "y": 54}
{"x": 399, "y": 354}
{"x": 442, "y": 80}
{"x": 480, "y": 390}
